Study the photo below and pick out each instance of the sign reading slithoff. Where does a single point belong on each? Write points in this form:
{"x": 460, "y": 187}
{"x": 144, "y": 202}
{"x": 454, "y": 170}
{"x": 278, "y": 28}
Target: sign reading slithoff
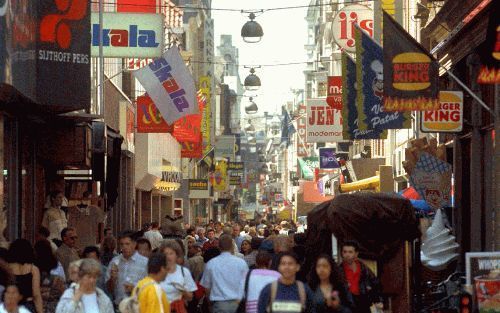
{"x": 324, "y": 124}
{"x": 448, "y": 118}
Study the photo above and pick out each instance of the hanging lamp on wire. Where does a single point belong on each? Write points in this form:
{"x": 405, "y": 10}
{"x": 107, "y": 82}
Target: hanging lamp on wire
{"x": 252, "y": 81}
{"x": 252, "y": 107}
{"x": 251, "y": 32}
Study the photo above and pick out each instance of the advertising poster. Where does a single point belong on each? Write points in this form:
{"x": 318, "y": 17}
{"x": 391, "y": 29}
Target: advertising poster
{"x": 370, "y": 87}
{"x": 328, "y": 158}
{"x": 220, "y": 178}
{"x": 483, "y": 274}
{"x": 323, "y": 124}
{"x": 410, "y": 72}
{"x": 431, "y": 177}
{"x": 448, "y": 118}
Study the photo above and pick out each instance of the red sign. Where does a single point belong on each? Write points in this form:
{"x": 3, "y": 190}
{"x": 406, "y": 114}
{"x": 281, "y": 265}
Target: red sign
{"x": 334, "y": 95}
{"x": 149, "y": 119}
{"x": 192, "y": 150}
{"x": 136, "y": 6}
{"x": 188, "y": 128}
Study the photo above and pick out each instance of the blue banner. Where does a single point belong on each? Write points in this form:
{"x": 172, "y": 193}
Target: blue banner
{"x": 370, "y": 82}
{"x": 328, "y": 158}
{"x": 350, "y": 125}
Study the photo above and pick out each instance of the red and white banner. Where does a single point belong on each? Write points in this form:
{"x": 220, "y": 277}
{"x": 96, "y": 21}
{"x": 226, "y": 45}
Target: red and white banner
{"x": 169, "y": 83}
{"x": 334, "y": 93}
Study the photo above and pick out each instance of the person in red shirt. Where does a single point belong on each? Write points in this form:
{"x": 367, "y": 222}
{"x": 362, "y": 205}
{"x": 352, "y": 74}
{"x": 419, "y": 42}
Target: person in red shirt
{"x": 363, "y": 285}
{"x": 212, "y": 241}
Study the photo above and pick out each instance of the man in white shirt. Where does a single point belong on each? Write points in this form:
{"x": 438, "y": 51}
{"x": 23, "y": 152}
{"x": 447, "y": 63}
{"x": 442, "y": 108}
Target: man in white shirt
{"x": 125, "y": 270}
{"x": 224, "y": 278}
{"x": 154, "y": 236}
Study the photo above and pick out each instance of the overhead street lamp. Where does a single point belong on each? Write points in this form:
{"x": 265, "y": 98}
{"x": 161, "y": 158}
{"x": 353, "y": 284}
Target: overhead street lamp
{"x": 252, "y": 31}
{"x": 252, "y": 107}
{"x": 252, "y": 81}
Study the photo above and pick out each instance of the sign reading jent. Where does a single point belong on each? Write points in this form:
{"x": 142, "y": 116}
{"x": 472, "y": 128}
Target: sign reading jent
{"x": 324, "y": 124}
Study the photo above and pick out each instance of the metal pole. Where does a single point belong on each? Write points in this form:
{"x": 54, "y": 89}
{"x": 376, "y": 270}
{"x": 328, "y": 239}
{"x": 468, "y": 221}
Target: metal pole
{"x": 101, "y": 59}
{"x": 470, "y": 92}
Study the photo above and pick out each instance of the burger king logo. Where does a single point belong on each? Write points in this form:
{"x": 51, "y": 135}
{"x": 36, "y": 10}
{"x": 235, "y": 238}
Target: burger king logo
{"x": 411, "y": 71}
{"x": 449, "y": 116}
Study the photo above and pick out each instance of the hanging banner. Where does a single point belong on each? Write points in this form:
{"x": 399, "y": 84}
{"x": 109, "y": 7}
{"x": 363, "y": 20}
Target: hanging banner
{"x": 431, "y": 177}
{"x": 169, "y": 83}
{"x": 220, "y": 176}
{"x": 350, "y": 125}
{"x": 490, "y": 51}
{"x": 344, "y": 21}
{"x": 370, "y": 84}
{"x": 410, "y": 73}
{"x": 393, "y": 7}
{"x": 128, "y": 35}
{"x": 323, "y": 124}
{"x": 334, "y": 94}
{"x": 191, "y": 150}
{"x": 328, "y": 158}
{"x": 302, "y": 146}
{"x": 149, "y": 119}
{"x": 205, "y": 85}
{"x": 307, "y": 166}
{"x": 448, "y": 118}
{"x": 188, "y": 128}
{"x": 224, "y": 146}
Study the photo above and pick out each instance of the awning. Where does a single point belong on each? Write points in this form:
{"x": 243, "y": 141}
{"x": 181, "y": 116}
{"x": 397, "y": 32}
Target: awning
{"x": 311, "y": 193}
{"x": 147, "y": 183}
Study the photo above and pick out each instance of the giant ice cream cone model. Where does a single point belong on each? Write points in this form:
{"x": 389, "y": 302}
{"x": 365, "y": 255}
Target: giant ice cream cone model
{"x": 439, "y": 247}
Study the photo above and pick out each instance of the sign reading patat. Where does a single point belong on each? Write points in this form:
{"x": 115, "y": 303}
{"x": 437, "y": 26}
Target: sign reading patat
{"x": 324, "y": 124}
{"x": 448, "y": 118}
{"x": 344, "y": 21}
{"x": 128, "y": 35}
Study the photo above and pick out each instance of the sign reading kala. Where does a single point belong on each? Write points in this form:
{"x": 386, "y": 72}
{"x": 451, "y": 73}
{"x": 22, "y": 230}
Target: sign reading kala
{"x": 134, "y": 35}
{"x": 324, "y": 124}
{"x": 448, "y": 118}
{"x": 344, "y": 21}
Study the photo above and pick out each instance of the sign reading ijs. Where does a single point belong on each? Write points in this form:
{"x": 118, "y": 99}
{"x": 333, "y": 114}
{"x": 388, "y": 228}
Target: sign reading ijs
{"x": 128, "y": 35}
{"x": 448, "y": 118}
{"x": 324, "y": 124}
{"x": 328, "y": 158}
{"x": 344, "y": 21}
{"x": 169, "y": 83}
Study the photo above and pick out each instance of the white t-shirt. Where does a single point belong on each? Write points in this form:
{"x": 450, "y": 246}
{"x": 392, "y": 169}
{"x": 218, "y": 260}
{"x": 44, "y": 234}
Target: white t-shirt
{"x": 176, "y": 280}
{"x": 90, "y": 303}
{"x": 21, "y": 309}
{"x": 259, "y": 279}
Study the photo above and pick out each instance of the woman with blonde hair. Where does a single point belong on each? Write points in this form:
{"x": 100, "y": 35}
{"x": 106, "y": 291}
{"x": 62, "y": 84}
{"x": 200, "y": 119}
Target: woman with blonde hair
{"x": 85, "y": 296}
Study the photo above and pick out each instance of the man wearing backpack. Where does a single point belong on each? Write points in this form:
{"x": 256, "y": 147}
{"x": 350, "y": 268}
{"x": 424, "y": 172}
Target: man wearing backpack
{"x": 287, "y": 294}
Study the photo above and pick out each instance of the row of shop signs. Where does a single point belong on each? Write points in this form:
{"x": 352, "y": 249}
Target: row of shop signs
{"x": 325, "y": 124}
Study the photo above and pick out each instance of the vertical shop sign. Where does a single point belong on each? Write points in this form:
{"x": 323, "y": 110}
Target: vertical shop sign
{"x": 334, "y": 95}
{"x": 205, "y": 86}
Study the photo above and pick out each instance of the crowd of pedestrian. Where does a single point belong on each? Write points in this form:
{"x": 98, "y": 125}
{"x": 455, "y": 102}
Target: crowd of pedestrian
{"x": 220, "y": 268}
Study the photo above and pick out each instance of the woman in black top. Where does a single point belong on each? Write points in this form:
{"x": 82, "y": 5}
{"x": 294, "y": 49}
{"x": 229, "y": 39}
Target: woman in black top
{"x": 21, "y": 258}
{"x": 330, "y": 291}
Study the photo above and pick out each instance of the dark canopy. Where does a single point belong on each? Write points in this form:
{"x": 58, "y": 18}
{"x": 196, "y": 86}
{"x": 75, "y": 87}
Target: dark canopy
{"x": 380, "y": 222}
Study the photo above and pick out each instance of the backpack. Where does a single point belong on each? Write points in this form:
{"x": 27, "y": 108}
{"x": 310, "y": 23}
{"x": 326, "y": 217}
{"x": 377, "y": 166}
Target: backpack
{"x": 302, "y": 294}
{"x": 131, "y": 304}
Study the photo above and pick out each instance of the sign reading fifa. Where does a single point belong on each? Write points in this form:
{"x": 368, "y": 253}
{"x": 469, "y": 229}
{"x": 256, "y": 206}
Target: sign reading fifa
{"x": 344, "y": 21}
{"x": 132, "y": 35}
{"x": 324, "y": 124}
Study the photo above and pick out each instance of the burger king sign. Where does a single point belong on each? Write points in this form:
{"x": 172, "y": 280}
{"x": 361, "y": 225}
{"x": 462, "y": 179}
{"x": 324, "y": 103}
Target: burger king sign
{"x": 448, "y": 118}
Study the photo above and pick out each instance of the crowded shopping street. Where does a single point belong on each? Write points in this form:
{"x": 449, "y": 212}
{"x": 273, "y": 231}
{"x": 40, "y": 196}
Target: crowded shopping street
{"x": 264, "y": 156}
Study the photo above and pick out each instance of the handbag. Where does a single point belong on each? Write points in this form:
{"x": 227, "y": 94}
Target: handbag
{"x": 242, "y": 306}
